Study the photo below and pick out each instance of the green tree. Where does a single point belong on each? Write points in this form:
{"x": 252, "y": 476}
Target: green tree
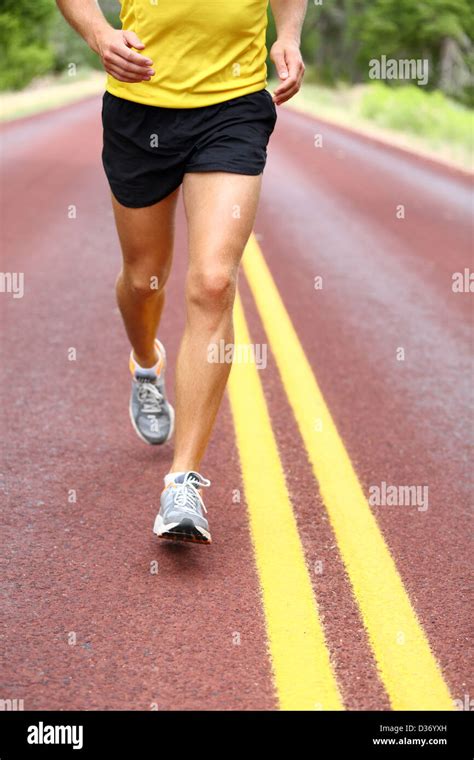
{"x": 340, "y": 37}
{"x": 24, "y": 41}
{"x": 438, "y": 30}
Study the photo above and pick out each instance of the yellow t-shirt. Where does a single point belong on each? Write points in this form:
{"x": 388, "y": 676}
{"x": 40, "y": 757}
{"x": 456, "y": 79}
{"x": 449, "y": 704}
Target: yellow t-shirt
{"x": 203, "y": 51}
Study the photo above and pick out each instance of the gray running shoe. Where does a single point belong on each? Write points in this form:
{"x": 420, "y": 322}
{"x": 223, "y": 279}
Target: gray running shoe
{"x": 181, "y": 515}
{"x": 151, "y": 414}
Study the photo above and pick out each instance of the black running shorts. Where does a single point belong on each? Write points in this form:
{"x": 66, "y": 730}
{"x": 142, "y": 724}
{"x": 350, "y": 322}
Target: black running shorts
{"x": 148, "y": 149}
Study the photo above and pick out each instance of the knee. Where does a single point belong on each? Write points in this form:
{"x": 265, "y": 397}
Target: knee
{"x": 212, "y": 289}
{"x": 141, "y": 283}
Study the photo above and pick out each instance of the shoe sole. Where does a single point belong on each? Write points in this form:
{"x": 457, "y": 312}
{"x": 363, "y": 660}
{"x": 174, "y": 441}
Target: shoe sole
{"x": 185, "y": 531}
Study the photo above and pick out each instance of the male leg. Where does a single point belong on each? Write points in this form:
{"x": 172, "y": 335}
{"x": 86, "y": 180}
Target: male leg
{"x": 220, "y": 211}
{"x": 146, "y": 237}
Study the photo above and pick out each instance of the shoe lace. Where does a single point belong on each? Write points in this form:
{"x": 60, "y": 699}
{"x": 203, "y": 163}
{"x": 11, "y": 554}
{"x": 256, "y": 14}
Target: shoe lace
{"x": 150, "y": 397}
{"x": 188, "y": 497}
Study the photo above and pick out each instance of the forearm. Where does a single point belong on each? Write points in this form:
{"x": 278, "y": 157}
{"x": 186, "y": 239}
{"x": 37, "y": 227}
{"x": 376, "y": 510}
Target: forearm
{"x": 86, "y": 18}
{"x": 289, "y": 16}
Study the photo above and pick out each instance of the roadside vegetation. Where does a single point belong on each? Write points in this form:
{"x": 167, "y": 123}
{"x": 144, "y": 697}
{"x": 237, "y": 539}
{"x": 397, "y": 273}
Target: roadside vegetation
{"x": 44, "y": 64}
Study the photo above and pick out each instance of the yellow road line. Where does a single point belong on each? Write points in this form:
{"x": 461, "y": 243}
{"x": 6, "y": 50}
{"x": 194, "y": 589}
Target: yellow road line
{"x": 407, "y": 667}
{"x": 303, "y": 675}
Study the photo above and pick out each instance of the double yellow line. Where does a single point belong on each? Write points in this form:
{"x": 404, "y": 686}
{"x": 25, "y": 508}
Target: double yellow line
{"x": 303, "y": 673}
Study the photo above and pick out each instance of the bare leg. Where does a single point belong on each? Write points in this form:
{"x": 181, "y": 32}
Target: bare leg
{"x": 220, "y": 210}
{"x": 146, "y": 237}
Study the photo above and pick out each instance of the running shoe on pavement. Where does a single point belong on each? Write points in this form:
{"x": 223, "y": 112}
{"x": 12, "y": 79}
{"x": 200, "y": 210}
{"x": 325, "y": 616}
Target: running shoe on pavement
{"x": 151, "y": 414}
{"x": 181, "y": 516}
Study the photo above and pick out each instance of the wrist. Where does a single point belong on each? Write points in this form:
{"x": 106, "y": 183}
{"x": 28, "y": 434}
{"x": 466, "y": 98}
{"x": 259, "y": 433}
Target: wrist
{"x": 97, "y": 34}
{"x": 289, "y": 40}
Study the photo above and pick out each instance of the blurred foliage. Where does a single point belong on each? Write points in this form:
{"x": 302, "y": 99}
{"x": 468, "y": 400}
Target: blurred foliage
{"x": 35, "y": 39}
{"x": 409, "y": 108}
{"x": 69, "y": 47}
{"x": 339, "y": 39}
{"x": 25, "y": 52}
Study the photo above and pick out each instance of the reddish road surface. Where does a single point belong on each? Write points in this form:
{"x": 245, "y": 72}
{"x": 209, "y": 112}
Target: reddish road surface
{"x": 90, "y": 620}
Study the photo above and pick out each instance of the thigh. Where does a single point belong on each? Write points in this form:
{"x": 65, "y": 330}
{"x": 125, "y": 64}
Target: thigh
{"x": 220, "y": 211}
{"x": 147, "y": 235}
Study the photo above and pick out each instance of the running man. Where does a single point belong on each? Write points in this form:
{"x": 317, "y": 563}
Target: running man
{"x": 186, "y": 104}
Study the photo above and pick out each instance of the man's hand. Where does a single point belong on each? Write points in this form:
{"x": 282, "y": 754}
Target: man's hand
{"x": 115, "y": 49}
{"x": 290, "y": 69}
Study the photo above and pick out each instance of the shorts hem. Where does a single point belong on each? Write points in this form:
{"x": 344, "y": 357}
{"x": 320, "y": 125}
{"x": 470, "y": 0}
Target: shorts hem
{"x": 223, "y": 168}
{"x": 143, "y": 204}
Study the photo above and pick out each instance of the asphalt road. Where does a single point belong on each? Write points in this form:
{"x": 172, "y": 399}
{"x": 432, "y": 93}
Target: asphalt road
{"x": 321, "y": 590}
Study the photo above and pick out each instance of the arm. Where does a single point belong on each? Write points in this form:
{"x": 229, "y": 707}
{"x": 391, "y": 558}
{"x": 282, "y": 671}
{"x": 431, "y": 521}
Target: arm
{"x": 114, "y": 46}
{"x": 285, "y": 52}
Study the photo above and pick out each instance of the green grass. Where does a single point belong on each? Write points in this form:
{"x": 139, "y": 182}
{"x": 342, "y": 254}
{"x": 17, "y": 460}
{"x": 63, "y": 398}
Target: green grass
{"x": 50, "y": 92}
{"x": 430, "y": 115}
{"x": 408, "y": 116}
